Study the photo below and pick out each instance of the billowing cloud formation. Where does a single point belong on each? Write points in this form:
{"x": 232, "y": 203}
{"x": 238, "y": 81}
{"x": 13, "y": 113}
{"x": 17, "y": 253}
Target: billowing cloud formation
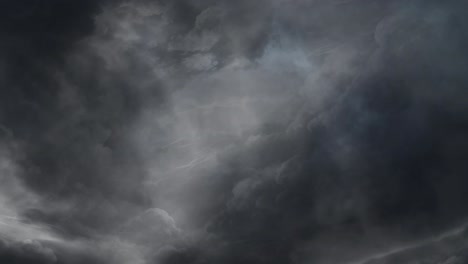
{"x": 232, "y": 131}
{"x": 26, "y": 252}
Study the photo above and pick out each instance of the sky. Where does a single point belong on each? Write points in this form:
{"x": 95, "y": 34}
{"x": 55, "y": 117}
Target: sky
{"x": 253, "y": 132}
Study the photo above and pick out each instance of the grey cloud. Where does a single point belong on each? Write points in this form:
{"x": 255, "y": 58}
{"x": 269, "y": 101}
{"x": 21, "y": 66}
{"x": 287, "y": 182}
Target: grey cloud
{"x": 231, "y": 131}
{"x": 28, "y": 251}
{"x": 154, "y": 227}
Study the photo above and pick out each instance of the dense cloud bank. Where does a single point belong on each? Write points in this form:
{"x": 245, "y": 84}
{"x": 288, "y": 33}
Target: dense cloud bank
{"x": 270, "y": 131}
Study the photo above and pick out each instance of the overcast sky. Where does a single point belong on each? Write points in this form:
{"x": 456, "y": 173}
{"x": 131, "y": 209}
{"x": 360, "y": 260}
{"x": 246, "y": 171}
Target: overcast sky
{"x": 222, "y": 131}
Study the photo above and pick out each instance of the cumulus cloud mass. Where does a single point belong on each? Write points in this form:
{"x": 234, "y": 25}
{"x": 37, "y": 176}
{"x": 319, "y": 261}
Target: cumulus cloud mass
{"x": 220, "y": 131}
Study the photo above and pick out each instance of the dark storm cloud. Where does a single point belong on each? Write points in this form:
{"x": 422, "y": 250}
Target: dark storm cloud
{"x": 26, "y": 252}
{"x": 229, "y": 131}
{"x": 60, "y": 128}
{"x": 381, "y": 159}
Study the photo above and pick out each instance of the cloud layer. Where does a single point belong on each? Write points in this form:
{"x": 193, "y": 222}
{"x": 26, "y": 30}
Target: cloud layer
{"x": 231, "y": 131}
